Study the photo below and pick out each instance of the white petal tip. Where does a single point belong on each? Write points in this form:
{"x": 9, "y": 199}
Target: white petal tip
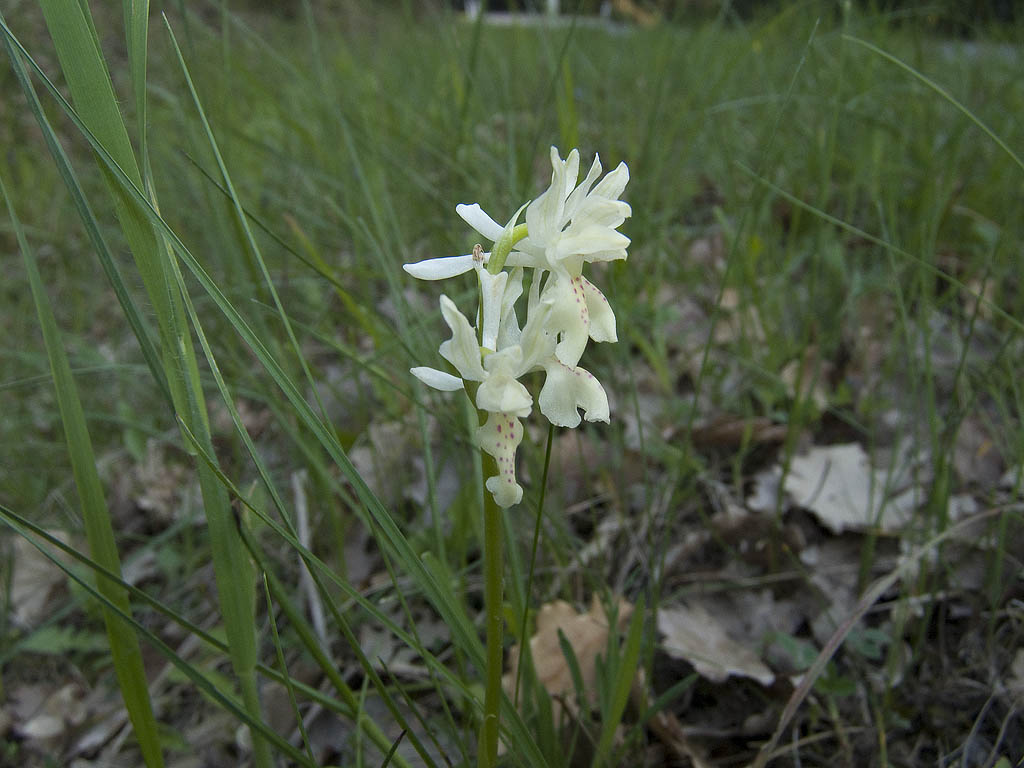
{"x": 440, "y": 269}
{"x": 437, "y": 379}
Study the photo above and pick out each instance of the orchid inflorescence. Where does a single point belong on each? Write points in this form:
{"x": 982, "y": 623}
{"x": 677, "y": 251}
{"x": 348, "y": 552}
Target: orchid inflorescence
{"x": 567, "y": 226}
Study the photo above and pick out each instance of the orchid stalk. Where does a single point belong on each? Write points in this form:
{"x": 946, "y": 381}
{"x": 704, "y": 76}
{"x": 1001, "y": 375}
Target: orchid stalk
{"x": 570, "y": 224}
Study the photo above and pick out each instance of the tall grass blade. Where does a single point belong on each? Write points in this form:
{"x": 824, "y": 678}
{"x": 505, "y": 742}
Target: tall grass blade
{"x": 89, "y": 82}
{"x": 136, "y": 23}
{"x": 23, "y": 525}
{"x": 124, "y": 645}
{"x": 907, "y": 564}
{"x": 241, "y": 218}
{"x": 627, "y": 662}
{"x": 138, "y": 325}
{"x": 943, "y": 93}
{"x": 917, "y": 260}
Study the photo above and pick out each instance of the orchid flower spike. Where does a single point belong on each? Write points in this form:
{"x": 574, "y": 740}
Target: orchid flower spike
{"x": 566, "y": 227}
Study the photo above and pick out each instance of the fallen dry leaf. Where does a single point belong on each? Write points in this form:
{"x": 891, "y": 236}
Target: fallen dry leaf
{"x": 1016, "y": 682}
{"x": 34, "y": 579}
{"x": 807, "y": 377}
{"x": 587, "y": 634}
{"x": 764, "y": 494}
{"x": 160, "y": 481}
{"x": 62, "y": 710}
{"x": 976, "y": 457}
{"x": 734, "y": 432}
{"x": 736, "y": 321}
{"x": 839, "y": 485}
{"x": 832, "y": 568}
{"x": 693, "y": 634}
{"x": 384, "y": 457}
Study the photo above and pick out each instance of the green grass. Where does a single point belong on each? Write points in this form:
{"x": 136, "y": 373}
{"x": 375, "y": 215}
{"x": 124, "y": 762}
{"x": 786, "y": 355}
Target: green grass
{"x": 852, "y": 186}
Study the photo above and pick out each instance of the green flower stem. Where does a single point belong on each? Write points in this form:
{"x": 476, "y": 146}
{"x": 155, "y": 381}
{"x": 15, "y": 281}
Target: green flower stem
{"x": 503, "y": 248}
{"x": 487, "y": 756}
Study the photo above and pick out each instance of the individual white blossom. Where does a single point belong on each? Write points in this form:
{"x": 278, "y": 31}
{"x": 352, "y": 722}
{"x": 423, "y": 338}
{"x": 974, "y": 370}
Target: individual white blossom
{"x": 569, "y": 225}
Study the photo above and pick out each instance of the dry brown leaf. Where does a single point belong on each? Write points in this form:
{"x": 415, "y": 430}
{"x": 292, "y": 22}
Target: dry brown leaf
{"x": 34, "y": 579}
{"x": 635, "y": 12}
{"x": 587, "y": 634}
{"x": 1016, "y": 682}
{"x": 764, "y": 495}
{"x": 693, "y": 634}
{"x": 808, "y": 377}
{"x": 832, "y": 568}
{"x": 839, "y": 485}
{"x": 161, "y": 481}
{"x": 708, "y": 252}
{"x": 736, "y": 321}
{"x": 977, "y": 292}
{"x": 733, "y": 432}
{"x": 976, "y": 458}
{"x": 61, "y": 711}
{"x": 384, "y": 457}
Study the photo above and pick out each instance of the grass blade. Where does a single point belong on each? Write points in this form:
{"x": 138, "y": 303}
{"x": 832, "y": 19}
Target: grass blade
{"x": 943, "y": 93}
{"x": 136, "y": 23}
{"x": 627, "y": 661}
{"x": 89, "y": 82}
{"x": 124, "y": 645}
{"x": 139, "y": 327}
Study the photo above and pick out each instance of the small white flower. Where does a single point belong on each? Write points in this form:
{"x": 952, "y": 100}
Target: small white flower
{"x": 569, "y": 225}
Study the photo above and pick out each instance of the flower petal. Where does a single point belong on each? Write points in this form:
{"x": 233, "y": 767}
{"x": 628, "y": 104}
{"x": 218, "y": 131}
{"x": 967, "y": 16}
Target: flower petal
{"x": 544, "y": 214}
{"x": 437, "y": 379}
{"x": 569, "y": 318}
{"x": 570, "y": 170}
{"x": 602, "y": 319}
{"x": 492, "y": 294}
{"x": 592, "y": 240}
{"x": 537, "y": 341}
{"x": 579, "y": 195}
{"x": 499, "y": 437}
{"x": 501, "y": 391}
{"x": 440, "y": 268}
{"x": 611, "y": 186}
{"x": 533, "y": 259}
{"x": 509, "y": 333}
{"x": 566, "y": 389}
{"x": 503, "y": 394}
{"x": 461, "y": 350}
{"x": 476, "y": 218}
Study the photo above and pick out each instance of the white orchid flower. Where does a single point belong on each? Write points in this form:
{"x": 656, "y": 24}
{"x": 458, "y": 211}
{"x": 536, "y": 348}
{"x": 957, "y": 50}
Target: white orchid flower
{"x": 566, "y": 227}
{"x": 569, "y": 225}
{"x": 566, "y": 388}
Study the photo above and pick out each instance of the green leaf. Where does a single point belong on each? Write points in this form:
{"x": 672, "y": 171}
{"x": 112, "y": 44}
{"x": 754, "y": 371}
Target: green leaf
{"x": 624, "y": 670}
{"x": 99, "y": 531}
{"x": 57, "y": 640}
